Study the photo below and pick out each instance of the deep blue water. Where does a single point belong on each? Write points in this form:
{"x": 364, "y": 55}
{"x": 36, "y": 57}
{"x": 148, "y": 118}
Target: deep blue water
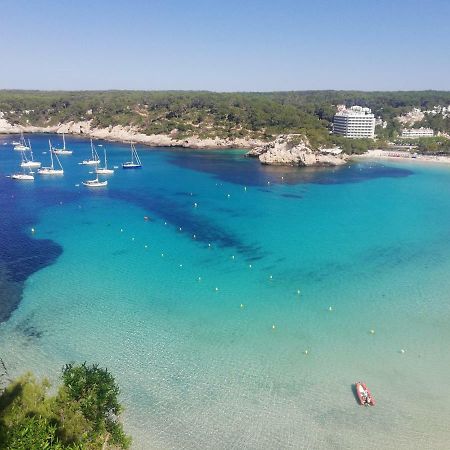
{"x": 248, "y": 289}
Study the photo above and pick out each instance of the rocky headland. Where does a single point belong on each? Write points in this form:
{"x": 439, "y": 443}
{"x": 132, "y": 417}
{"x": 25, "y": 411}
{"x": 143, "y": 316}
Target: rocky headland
{"x": 295, "y": 150}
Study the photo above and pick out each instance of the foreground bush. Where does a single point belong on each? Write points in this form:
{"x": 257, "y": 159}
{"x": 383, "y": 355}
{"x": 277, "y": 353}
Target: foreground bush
{"x": 84, "y": 413}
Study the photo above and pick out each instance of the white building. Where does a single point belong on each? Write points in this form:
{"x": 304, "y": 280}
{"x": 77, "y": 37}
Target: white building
{"x": 356, "y": 122}
{"x": 414, "y": 133}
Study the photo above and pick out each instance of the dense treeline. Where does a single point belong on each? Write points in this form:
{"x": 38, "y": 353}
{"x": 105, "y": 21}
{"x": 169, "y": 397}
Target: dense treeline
{"x": 209, "y": 114}
{"x": 82, "y": 415}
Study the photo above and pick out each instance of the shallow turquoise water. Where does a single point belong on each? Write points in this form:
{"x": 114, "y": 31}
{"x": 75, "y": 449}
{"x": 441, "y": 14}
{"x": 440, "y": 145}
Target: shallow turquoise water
{"x": 207, "y": 334}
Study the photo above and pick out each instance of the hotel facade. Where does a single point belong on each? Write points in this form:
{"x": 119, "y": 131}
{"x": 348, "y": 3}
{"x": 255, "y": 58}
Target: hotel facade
{"x": 355, "y": 122}
{"x": 414, "y": 133}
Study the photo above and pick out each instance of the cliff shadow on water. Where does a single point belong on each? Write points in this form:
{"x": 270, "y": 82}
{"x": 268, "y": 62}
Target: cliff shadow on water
{"x": 238, "y": 169}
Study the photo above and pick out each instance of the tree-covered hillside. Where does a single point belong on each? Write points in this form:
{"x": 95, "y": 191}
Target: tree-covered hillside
{"x": 208, "y": 114}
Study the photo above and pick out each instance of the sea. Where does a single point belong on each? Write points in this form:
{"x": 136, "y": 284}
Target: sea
{"x": 236, "y": 304}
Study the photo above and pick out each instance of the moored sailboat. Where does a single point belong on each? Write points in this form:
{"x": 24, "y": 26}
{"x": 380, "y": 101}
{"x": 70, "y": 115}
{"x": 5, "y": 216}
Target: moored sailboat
{"x": 29, "y": 162}
{"x": 51, "y": 170}
{"x": 24, "y": 176}
{"x": 94, "y": 157}
{"x": 62, "y": 151}
{"x": 104, "y": 170}
{"x": 22, "y": 145}
{"x": 135, "y": 162}
{"x": 95, "y": 183}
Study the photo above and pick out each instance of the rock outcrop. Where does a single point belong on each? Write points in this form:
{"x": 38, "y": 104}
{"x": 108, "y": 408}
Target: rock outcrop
{"x": 295, "y": 150}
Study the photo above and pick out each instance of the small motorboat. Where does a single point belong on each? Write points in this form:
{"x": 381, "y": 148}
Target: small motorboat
{"x": 364, "y": 394}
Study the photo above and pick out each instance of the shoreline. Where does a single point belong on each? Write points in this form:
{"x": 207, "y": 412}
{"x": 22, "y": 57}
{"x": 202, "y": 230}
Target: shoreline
{"x": 401, "y": 156}
{"x": 120, "y": 133}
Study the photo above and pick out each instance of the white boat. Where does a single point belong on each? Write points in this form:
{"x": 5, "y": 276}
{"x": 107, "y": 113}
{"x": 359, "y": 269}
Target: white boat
{"x": 135, "y": 162}
{"x": 95, "y": 183}
{"x": 29, "y": 162}
{"x": 23, "y": 176}
{"x": 62, "y": 151}
{"x": 22, "y": 145}
{"x": 51, "y": 170}
{"x": 104, "y": 170}
{"x": 94, "y": 158}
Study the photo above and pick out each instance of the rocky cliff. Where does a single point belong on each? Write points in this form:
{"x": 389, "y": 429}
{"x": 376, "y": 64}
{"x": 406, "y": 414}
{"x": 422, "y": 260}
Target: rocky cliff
{"x": 127, "y": 134}
{"x": 295, "y": 150}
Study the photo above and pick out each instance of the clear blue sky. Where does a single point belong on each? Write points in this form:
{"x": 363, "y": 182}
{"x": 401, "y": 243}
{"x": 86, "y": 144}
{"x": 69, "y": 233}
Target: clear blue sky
{"x": 228, "y": 45}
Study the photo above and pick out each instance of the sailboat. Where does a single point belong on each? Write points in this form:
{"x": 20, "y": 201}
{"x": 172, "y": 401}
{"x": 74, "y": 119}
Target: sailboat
{"x": 95, "y": 183}
{"x": 62, "y": 151}
{"x": 94, "y": 159}
{"x": 51, "y": 170}
{"x": 22, "y": 145}
{"x": 23, "y": 176}
{"x": 104, "y": 170}
{"x": 135, "y": 162}
{"x": 29, "y": 162}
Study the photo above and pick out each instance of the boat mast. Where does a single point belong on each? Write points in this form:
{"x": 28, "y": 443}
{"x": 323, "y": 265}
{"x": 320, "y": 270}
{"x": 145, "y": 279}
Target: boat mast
{"x": 64, "y": 142}
{"x": 106, "y": 165}
{"x": 51, "y": 152}
{"x": 31, "y": 151}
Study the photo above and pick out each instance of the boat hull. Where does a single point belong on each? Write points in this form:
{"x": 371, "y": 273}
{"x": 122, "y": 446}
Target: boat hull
{"x": 45, "y": 171}
{"x": 131, "y": 166}
{"x": 94, "y": 185}
{"x": 22, "y": 177}
{"x": 364, "y": 395}
{"x": 33, "y": 164}
{"x": 62, "y": 152}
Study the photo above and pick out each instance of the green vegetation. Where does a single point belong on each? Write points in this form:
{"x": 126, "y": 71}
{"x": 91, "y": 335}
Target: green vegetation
{"x": 233, "y": 115}
{"x": 82, "y": 415}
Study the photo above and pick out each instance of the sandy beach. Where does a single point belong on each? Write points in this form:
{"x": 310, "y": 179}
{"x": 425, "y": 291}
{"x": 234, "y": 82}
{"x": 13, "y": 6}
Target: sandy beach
{"x": 401, "y": 156}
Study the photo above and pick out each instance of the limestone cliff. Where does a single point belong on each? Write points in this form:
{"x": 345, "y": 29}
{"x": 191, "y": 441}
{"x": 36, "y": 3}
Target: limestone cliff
{"x": 296, "y": 151}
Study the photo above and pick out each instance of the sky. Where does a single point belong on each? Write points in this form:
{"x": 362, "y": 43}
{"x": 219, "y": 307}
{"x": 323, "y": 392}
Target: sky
{"x": 228, "y": 45}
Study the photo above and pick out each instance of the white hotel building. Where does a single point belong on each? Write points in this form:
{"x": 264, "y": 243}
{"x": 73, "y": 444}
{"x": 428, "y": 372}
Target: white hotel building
{"x": 356, "y": 122}
{"x": 414, "y": 133}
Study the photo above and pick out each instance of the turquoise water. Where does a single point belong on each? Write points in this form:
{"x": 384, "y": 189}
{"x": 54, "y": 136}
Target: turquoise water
{"x": 207, "y": 328}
